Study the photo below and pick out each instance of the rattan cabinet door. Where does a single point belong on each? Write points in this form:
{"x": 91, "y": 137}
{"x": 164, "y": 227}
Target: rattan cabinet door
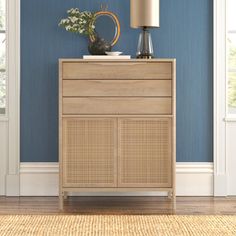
{"x": 144, "y": 152}
{"x": 89, "y": 152}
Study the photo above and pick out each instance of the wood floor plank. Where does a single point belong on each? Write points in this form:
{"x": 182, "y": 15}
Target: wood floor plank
{"x": 119, "y": 205}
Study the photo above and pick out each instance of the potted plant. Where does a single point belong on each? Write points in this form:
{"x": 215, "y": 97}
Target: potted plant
{"x": 83, "y": 22}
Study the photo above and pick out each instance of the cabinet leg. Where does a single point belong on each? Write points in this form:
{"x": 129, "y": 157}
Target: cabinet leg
{"x": 61, "y": 200}
{"x": 170, "y": 194}
{"x": 174, "y": 201}
{"x": 65, "y": 195}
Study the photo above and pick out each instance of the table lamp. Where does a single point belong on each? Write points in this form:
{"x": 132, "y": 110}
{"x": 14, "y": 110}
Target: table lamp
{"x": 145, "y": 14}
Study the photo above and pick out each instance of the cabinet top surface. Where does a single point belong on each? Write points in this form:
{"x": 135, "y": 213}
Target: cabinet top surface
{"x": 117, "y": 60}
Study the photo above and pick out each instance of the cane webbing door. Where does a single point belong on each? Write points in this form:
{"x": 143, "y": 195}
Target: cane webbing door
{"x": 89, "y": 152}
{"x": 144, "y": 152}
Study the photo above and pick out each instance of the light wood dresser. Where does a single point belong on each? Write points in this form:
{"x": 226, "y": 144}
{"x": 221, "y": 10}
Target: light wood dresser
{"x": 117, "y": 126}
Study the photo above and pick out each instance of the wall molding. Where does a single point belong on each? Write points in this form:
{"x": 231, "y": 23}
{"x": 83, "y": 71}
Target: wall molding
{"x": 220, "y": 159}
{"x": 12, "y": 184}
{"x": 41, "y": 179}
{"x": 3, "y": 155}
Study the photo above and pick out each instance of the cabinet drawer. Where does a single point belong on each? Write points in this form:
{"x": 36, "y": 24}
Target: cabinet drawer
{"x": 117, "y": 70}
{"x": 117, "y": 105}
{"x": 116, "y": 88}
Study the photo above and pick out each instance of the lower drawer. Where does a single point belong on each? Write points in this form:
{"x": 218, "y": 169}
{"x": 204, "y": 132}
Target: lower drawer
{"x": 111, "y": 105}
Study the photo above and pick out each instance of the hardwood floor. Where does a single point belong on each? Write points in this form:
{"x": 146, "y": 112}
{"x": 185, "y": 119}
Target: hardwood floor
{"x": 118, "y": 205}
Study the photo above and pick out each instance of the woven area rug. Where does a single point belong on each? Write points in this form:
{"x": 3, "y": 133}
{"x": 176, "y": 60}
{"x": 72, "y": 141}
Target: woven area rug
{"x": 105, "y": 225}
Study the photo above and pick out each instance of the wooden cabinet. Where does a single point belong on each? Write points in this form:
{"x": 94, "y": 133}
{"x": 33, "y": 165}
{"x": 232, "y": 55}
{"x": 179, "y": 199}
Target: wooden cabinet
{"x": 117, "y": 126}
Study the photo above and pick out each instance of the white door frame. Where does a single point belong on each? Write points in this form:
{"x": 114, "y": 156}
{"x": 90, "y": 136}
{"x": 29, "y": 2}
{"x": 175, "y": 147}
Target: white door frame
{"x": 13, "y": 97}
{"x": 223, "y": 152}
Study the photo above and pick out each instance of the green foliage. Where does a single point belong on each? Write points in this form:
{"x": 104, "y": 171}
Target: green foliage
{"x": 232, "y": 76}
{"x": 2, "y": 16}
{"x": 79, "y": 22}
{"x": 2, "y": 62}
{"x": 2, "y": 89}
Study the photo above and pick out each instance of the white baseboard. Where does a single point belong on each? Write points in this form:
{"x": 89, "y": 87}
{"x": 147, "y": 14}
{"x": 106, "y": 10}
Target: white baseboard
{"x": 12, "y": 185}
{"x": 41, "y": 179}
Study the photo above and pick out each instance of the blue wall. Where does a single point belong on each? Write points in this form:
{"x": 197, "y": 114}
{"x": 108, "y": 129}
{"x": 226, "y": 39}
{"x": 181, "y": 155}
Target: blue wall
{"x": 185, "y": 34}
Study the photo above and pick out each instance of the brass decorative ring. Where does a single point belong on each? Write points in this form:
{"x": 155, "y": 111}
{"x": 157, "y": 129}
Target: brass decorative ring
{"x": 114, "y": 17}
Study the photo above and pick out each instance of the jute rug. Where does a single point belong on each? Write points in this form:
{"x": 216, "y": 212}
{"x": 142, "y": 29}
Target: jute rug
{"x": 101, "y": 225}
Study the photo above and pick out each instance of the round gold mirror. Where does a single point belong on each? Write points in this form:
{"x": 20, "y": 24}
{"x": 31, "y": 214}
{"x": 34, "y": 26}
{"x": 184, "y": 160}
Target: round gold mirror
{"x": 107, "y": 27}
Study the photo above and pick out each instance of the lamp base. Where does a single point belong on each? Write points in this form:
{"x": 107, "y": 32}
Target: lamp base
{"x": 145, "y": 47}
{"x": 144, "y": 57}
